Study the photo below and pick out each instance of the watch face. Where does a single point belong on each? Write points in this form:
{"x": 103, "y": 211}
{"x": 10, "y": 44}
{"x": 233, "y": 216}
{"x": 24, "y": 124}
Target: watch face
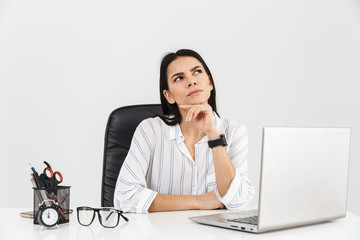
{"x": 49, "y": 217}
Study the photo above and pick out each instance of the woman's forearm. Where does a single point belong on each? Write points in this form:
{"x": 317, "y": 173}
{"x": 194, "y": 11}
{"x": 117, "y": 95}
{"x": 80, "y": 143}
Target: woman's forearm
{"x": 224, "y": 169}
{"x": 164, "y": 202}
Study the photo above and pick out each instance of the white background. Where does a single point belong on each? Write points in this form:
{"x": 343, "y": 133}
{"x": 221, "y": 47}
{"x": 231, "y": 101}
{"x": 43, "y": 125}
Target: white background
{"x": 65, "y": 65}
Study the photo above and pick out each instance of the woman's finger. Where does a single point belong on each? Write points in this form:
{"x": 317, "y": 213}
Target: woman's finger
{"x": 201, "y": 109}
{"x": 185, "y": 106}
{"x": 189, "y": 107}
{"x": 205, "y": 109}
{"x": 190, "y": 112}
{"x": 197, "y": 112}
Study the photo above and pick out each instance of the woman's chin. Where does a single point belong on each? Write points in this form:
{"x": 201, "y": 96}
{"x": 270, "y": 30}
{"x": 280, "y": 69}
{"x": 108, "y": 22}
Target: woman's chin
{"x": 192, "y": 103}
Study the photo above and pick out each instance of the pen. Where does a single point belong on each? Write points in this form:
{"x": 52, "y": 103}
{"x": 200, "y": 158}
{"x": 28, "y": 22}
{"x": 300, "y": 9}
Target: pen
{"x": 37, "y": 192}
{"x": 36, "y": 177}
{"x": 41, "y": 195}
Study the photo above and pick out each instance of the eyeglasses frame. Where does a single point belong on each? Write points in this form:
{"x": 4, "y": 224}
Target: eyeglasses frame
{"x": 97, "y": 210}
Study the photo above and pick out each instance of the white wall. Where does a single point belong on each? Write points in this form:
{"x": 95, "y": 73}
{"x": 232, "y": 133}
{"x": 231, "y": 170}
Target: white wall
{"x": 65, "y": 65}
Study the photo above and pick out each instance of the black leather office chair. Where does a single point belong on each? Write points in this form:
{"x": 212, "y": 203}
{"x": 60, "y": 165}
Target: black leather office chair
{"x": 120, "y": 129}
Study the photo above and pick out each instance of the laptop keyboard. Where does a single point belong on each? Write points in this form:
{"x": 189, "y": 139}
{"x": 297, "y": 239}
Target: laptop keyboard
{"x": 248, "y": 220}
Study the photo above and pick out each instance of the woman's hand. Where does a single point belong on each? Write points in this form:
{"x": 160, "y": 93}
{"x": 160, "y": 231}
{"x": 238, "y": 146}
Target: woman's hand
{"x": 203, "y": 117}
{"x": 209, "y": 201}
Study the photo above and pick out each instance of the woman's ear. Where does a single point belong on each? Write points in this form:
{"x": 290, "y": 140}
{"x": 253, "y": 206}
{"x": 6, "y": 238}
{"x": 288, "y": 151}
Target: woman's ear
{"x": 168, "y": 97}
{"x": 210, "y": 83}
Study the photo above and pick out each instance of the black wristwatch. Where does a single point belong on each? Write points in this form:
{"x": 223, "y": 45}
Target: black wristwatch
{"x": 218, "y": 142}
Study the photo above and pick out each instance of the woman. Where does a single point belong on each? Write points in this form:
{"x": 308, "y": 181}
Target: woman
{"x": 189, "y": 158}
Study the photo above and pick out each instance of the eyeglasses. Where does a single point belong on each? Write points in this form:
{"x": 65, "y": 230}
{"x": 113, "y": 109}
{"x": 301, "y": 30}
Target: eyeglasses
{"x": 108, "y": 217}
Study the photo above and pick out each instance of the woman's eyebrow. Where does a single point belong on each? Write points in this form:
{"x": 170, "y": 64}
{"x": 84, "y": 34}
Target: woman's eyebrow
{"x": 194, "y": 68}
{"x": 177, "y": 74}
{"x": 180, "y": 73}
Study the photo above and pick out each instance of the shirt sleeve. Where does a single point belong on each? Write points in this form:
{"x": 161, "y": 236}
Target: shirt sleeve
{"x": 131, "y": 192}
{"x": 241, "y": 190}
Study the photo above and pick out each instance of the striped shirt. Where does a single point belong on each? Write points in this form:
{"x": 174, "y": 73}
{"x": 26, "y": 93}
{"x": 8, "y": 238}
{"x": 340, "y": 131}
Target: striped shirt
{"x": 158, "y": 161}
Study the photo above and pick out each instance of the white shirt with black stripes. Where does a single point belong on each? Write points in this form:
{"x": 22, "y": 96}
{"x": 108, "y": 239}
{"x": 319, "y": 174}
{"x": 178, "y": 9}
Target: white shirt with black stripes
{"x": 159, "y": 162}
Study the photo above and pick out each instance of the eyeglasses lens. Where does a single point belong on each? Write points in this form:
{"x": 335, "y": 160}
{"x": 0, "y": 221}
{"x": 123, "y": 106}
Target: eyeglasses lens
{"x": 86, "y": 216}
{"x": 109, "y": 218}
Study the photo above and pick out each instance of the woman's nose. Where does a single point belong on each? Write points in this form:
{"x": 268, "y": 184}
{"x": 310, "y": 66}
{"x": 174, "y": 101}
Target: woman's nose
{"x": 191, "y": 82}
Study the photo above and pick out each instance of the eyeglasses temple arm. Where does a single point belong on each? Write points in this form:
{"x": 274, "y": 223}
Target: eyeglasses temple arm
{"x": 107, "y": 218}
{"x": 125, "y": 218}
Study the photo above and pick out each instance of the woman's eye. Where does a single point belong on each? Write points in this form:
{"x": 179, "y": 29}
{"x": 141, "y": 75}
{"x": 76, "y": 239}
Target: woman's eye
{"x": 197, "y": 71}
{"x": 177, "y": 79}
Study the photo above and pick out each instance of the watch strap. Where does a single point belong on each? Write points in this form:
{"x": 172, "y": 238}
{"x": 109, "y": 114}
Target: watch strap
{"x": 218, "y": 142}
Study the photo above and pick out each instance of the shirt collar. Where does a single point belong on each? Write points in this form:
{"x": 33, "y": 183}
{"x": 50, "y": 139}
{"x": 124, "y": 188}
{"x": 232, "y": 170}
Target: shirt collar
{"x": 175, "y": 131}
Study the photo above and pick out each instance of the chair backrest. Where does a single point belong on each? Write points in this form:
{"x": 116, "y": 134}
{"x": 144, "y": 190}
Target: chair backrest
{"x": 120, "y": 129}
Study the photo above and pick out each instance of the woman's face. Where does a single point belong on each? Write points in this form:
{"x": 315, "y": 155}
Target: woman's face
{"x": 188, "y": 82}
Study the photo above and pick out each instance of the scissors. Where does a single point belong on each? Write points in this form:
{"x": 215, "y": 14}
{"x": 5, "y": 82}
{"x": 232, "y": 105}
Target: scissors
{"x": 51, "y": 179}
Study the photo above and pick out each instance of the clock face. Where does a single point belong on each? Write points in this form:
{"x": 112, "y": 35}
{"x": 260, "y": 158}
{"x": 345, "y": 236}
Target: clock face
{"x": 49, "y": 217}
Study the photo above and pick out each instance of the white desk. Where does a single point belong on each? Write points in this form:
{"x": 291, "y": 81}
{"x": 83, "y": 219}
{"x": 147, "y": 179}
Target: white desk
{"x": 167, "y": 225}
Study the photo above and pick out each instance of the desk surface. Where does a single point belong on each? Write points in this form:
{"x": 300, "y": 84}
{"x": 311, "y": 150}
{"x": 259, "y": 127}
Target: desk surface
{"x": 167, "y": 225}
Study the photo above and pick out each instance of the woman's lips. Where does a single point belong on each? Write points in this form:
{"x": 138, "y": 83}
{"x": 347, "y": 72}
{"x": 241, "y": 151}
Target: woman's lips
{"x": 194, "y": 92}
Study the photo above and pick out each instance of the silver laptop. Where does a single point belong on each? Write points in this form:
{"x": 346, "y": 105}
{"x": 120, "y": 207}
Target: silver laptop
{"x": 303, "y": 180}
